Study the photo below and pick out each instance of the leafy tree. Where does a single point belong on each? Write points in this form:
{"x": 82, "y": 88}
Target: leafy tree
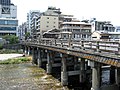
{"x": 27, "y": 35}
{"x": 12, "y": 39}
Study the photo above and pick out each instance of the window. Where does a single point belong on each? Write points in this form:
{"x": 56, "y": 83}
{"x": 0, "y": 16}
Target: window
{"x": 47, "y": 26}
{"x": 8, "y": 28}
{"x": 8, "y": 22}
{"x": 47, "y": 17}
{"x": 47, "y": 22}
{"x": 54, "y": 18}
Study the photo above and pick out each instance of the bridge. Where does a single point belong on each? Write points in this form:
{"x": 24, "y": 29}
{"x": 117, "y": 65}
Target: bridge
{"x": 75, "y": 56}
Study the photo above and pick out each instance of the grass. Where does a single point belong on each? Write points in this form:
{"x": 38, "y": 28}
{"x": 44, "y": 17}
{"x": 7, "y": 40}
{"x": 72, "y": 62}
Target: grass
{"x": 8, "y": 51}
{"x": 16, "y": 60}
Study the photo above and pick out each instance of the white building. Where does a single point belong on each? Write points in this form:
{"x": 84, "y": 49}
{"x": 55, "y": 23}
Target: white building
{"x": 10, "y": 12}
{"x": 117, "y": 28}
{"x": 8, "y": 26}
{"x": 79, "y": 30}
{"x": 30, "y": 19}
{"x": 103, "y": 26}
{"x": 22, "y": 30}
{"x": 8, "y": 18}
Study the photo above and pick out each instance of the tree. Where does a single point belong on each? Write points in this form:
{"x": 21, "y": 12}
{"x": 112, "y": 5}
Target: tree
{"x": 27, "y": 35}
{"x": 12, "y": 39}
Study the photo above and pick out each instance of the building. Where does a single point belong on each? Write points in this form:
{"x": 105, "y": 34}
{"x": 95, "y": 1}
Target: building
{"x": 47, "y": 23}
{"x": 22, "y": 30}
{"x": 52, "y": 11}
{"x": 31, "y": 19}
{"x": 8, "y": 26}
{"x": 5, "y": 2}
{"x": 117, "y": 29}
{"x": 79, "y": 30}
{"x": 102, "y": 30}
{"x": 104, "y": 26}
{"x": 106, "y": 36}
{"x": 8, "y": 18}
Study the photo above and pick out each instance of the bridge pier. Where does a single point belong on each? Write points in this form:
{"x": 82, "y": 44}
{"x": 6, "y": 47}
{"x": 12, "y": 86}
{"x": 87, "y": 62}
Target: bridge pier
{"x": 96, "y": 73}
{"x": 118, "y": 77}
{"x": 39, "y": 60}
{"x": 64, "y": 74}
{"x": 82, "y": 71}
{"x": 34, "y": 55}
{"x": 75, "y": 63}
{"x": 25, "y": 51}
{"x": 49, "y": 62}
{"x": 28, "y": 51}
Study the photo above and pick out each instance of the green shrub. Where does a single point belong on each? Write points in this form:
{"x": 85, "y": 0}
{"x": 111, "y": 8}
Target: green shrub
{"x": 1, "y": 46}
{"x": 16, "y": 60}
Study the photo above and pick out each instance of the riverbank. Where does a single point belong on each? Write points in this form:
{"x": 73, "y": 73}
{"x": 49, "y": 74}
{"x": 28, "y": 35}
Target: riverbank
{"x": 25, "y": 76}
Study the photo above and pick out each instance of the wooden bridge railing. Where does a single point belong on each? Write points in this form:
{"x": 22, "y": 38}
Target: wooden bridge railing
{"x": 99, "y": 46}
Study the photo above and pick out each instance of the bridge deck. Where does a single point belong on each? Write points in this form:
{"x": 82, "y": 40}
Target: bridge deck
{"x": 99, "y": 51}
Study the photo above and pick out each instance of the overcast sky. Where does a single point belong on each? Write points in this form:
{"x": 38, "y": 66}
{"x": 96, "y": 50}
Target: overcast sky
{"x": 107, "y": 10}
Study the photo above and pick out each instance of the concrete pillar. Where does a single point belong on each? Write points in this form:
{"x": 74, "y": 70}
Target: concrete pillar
{"x": 33, "y": 55}
{"x": 64, "y": 74}
{"x": 82, "y": 71}
{"x": 118, "y": 76}
{"x": 96, "y": 73}
{"x": 112, "y": 75}
{"x": 75, "y": 62}
{"x": 28, "y": 52}
{"x": 39, "y": 60}
{"x": 49, "y": 63}
{"x": 25, "y": 50}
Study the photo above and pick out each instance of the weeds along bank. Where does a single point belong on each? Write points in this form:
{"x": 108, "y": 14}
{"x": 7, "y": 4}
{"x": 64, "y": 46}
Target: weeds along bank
{"x": 17, "y": 60}
{"x": 8, "y": 51}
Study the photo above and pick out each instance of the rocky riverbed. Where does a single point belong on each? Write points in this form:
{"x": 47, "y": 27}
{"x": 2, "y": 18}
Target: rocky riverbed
{"x": 27, "y": 77}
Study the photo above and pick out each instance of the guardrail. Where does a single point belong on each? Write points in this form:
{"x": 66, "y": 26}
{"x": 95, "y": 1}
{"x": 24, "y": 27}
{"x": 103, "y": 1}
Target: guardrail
{"x": 99, "y": 46}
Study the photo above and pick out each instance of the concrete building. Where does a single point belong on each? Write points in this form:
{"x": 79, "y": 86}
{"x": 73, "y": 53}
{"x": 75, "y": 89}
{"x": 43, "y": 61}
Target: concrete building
{"x": 46, "y": 23}
{"x": 117, "y": 29}
{"x": 8, "y": 18}
{"x": 31, "y": 19}
{"x": 5, "y": 2}
{"x": 79, "y": 30}
{"x": 104, "y": 26}
{"x": 108, "y": 36}
{"x": 22, "y": 30}
{"x": 103, "y": 30}
{"x": 52, "y": 11}
{"x": 8, "y": 26}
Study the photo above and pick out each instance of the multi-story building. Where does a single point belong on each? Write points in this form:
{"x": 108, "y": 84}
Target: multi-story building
{"x": 5, "y": 2}
{"x": 103, "y": 30}
{"x": 79, "y": 30}
{"x": 22, "y": 30}
{"x": 52, "y": 11}
{"x": 47, "y": 23}
{"x": 31, "y": 19}
{"x": 8, "y": 18}
{"x": 117, "y": 28}
{"x": 8, "y": 26}
{"x": 104, "y": 26}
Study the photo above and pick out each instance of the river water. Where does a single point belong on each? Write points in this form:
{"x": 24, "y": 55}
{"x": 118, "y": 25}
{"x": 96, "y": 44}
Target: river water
{"x": 27, "y": 77}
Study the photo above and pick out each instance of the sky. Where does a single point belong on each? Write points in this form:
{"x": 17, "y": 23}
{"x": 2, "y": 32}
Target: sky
{"x": 105, "y": 10}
